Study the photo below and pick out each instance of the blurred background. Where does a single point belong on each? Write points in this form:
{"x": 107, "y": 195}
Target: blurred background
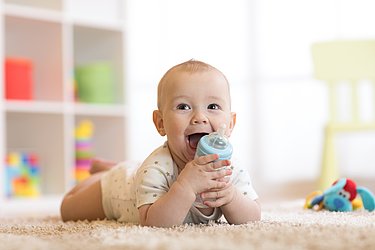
{"x": 262, "y": 46}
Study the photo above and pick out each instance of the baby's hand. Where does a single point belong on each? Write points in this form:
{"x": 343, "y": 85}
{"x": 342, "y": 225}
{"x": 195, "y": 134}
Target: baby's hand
{"x": 219, "y": 197}
{"x": 201, "y": 174}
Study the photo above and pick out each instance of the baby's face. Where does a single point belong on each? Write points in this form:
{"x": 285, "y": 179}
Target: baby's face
{"x": 192, "y": 105}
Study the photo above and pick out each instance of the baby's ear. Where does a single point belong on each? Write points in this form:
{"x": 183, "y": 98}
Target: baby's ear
{"x": 157, "y": 117}
{"x": 232, "y": 122}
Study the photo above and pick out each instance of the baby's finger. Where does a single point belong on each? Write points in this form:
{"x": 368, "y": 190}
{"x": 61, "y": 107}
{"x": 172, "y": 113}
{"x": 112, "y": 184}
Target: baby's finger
{"x": 216, "y": 185}
{"x": 216, "y": 193}
{"x": 216, "y": 198}
{"x": 206, "y": 159}
{"x": 222, "y": 173}
{"x": 215, "y": 203}
{"x": 221, "y": 164}
{"x": 211, "y": 195}
{"x": 225, "y": 179}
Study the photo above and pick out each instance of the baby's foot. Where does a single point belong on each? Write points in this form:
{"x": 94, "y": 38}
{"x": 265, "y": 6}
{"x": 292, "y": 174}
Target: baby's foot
{"x": 99, "y": 165}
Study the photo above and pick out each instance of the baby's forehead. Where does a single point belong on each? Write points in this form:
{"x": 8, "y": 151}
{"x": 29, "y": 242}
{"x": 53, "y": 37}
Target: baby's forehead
{"x": 195, "y": 86}
{"x": 186, "y": 81}
{"x": 178, "y": 72}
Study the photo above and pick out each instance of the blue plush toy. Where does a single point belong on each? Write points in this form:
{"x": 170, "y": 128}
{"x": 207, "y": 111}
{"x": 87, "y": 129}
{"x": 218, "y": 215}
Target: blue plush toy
{"x": 341, "y": 196}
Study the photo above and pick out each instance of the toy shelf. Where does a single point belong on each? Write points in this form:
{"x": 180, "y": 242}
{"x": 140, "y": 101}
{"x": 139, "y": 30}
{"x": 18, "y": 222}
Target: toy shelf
{"x": 58, "y": 36}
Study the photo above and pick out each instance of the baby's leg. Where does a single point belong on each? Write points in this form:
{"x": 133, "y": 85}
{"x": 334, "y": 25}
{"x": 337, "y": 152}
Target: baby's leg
{"x": 99, "y": 165}
{"x": 84, "y": 201}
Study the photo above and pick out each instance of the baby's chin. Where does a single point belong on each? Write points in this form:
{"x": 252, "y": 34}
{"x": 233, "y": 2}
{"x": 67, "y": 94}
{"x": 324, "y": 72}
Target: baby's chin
{"x": 189, "y": 156}
{"x": 184, "y": 156}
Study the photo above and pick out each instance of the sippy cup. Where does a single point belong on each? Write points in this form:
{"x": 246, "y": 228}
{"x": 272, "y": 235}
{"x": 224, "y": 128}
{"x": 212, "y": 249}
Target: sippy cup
{"x": 214, "y": 143}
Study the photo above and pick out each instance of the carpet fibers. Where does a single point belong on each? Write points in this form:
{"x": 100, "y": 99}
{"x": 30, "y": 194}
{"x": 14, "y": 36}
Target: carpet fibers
{"x": 283, "y": 226}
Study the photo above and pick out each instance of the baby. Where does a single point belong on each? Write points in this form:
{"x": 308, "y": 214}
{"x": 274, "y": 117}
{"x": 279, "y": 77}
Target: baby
{"x": 193, "y": 100}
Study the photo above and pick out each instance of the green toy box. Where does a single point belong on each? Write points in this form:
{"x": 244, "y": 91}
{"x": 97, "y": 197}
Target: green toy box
{"x": 95, "y": 83}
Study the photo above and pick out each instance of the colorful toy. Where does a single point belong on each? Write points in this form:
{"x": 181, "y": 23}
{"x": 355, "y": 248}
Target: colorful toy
{"x": 83, "y": 149}
{"x": 18, "y": 78}
{"x": 95, "y": 82}
{"x": 342, "y": 197}
{"x": 22, "y": 175}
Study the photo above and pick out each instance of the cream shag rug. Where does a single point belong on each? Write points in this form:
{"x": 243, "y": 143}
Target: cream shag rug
{"x": 283, "y": 226}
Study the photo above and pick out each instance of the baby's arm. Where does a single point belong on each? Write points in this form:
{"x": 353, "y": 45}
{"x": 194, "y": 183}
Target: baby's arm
{"x": 236, "y": 207}
{"x": 172, "y": 208}
{"x": 241, "y": 209}
{"x": 234, "y": 199}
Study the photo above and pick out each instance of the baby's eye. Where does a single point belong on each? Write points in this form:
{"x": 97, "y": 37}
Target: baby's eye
{"x": 214, "y": 106}
{"x": 183, "y": 106}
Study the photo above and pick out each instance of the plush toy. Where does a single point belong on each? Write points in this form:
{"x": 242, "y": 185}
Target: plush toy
{"x": 342, "y": 197}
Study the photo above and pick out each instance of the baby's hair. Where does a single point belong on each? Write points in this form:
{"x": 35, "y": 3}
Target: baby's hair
{"x": 190, "y": 66}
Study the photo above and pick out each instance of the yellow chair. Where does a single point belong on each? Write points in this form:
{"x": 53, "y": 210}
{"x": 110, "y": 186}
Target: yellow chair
{"x": 338, "y": 62}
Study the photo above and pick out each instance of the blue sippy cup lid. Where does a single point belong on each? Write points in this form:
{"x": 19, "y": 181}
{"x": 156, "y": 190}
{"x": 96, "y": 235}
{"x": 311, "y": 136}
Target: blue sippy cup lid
{"x": 215, "y": 143}
{"x": 218, "y": 139}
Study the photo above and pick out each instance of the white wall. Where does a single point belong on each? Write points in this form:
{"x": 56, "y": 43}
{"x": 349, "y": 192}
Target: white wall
{"x": 164, "y": 33}
{"x": 263, "y": 46}
{"x": 291, "y": 105}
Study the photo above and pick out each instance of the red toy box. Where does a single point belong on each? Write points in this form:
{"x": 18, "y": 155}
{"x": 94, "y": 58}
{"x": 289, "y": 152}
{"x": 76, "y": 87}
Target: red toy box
{"x": 18, "y": 79}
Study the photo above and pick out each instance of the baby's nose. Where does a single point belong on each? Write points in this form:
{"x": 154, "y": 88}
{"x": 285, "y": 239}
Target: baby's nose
{"x": 199, "y": 117}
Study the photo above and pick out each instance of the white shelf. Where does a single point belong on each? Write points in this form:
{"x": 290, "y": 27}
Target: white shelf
{"x": 34, "y": 107}
{"x": 108, "y": 25}
{"x": 50, "y": 107}
{"x": 99, "y": 12}
{"x": 33, "y": 13}
{"x": 57, "y": 36}
{"x": 100, "y": 110}
{"x": 39, "y": 4}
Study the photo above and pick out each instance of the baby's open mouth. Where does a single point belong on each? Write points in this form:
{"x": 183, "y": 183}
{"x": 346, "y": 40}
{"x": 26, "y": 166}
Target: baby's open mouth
{"x": 194, "y": 139}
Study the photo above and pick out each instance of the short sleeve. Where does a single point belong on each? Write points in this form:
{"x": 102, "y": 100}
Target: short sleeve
{"x": 151, "y": 183}
{"x": 241, "y": 180}
{"x": 155, "y": 177}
